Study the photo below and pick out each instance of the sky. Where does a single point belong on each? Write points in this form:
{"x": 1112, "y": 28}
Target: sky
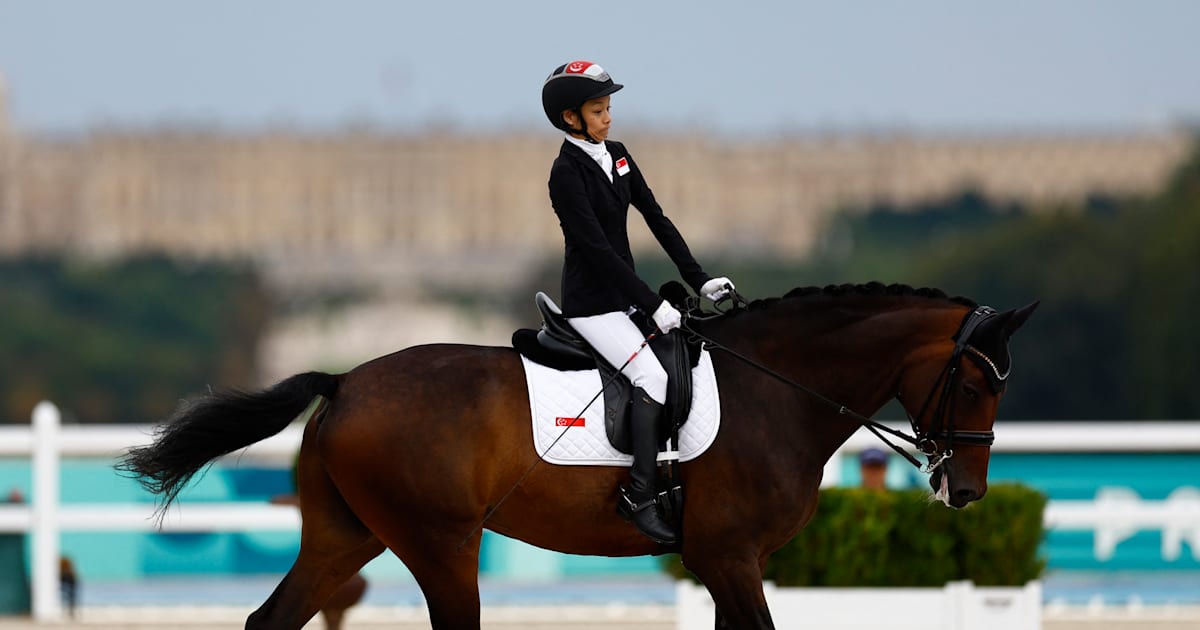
{"x": 730, "y": 67}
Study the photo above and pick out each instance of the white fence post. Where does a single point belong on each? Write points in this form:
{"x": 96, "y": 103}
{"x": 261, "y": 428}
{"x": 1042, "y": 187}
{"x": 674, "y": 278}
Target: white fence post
{"x": 47, "y": 606}
{"x": 956, "y": 600}
{"x": 958, "y": 605}
{"x": 693, "y": 607}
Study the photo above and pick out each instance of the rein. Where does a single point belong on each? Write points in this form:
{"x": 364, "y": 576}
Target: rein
{"x": 923, "y": 441}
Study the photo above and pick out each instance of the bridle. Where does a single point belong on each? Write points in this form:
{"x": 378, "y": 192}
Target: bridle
{"x": 941, "y": 425}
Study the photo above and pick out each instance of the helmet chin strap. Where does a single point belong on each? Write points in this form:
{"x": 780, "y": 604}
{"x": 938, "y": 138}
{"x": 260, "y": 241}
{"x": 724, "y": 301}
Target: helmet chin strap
{"x": 583, "y": 127}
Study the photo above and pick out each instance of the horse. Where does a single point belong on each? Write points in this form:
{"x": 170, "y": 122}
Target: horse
{"x": 417, "y": 451}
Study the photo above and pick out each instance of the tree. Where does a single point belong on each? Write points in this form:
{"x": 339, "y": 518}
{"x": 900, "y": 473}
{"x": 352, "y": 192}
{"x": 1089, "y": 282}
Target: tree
{"x": 1115, "y": 336}
{"x": 123, "y": 341}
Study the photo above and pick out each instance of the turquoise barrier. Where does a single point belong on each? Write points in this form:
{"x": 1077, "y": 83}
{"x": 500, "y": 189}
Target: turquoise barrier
{"x": 131, "y": 556}
{"x": 1085, "y": 477}
{"x": 105, "y": 556}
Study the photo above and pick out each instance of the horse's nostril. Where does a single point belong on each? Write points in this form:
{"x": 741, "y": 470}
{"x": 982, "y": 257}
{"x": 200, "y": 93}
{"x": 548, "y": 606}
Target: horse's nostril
{"x": 965, "y": 495}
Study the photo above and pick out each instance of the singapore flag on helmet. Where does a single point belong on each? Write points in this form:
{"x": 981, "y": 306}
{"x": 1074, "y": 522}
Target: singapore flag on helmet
{"x": 587, "y": 69}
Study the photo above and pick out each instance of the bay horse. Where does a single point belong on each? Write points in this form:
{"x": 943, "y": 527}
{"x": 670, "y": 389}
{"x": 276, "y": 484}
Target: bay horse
{"x": 415, "y": 451}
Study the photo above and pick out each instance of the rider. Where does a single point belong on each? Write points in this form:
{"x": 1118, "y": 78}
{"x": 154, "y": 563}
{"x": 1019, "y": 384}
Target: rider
{"x": 592, "y": 182}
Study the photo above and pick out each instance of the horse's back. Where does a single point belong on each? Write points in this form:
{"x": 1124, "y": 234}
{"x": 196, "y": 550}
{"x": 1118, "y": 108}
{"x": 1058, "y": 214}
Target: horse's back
{"x": 436, "y": 387}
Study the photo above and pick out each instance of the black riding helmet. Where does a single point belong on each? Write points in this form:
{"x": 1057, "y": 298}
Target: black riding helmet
{"x": 570, "y": 86}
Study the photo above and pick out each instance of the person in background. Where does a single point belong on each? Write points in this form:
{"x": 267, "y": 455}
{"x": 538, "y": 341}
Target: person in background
{"x": 68, "y": 577}
{"x": 68, "y": 585}
{"x": 873, "y": 465}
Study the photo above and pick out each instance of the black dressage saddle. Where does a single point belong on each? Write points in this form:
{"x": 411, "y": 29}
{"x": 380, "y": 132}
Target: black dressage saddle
{"x": 556, "y": 345}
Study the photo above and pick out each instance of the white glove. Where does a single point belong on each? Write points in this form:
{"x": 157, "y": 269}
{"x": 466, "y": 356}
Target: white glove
{"x": 667, "y": 317}
{"x": 716, "y": 288}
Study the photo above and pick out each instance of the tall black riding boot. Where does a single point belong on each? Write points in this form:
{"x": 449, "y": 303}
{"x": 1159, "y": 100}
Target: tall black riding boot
{"x": 637, "y": 503}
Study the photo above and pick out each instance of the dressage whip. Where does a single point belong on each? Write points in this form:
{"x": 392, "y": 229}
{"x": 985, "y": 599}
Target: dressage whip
{"x": 561, "y": 435}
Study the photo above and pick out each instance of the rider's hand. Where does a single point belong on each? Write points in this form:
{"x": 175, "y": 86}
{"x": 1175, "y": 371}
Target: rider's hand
{"x": 666, "y": 317}
{"x": 717, "y": 288}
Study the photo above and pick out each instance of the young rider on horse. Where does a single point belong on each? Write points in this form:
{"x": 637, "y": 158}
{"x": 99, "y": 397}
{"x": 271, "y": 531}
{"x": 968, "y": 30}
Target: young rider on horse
{"x": 592, "y": 182}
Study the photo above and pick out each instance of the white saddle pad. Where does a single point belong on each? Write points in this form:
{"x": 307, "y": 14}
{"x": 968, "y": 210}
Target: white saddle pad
{"x": 556, "y": 397}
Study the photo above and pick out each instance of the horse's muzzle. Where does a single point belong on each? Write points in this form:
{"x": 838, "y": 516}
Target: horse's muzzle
{"x": 951, "y": 492}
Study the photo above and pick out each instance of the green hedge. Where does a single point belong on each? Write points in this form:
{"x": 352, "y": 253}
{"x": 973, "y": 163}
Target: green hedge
{"x": 899, "y": 538}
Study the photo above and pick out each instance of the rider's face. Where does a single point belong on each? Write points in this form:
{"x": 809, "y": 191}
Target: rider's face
{"x": 595, "y": 114}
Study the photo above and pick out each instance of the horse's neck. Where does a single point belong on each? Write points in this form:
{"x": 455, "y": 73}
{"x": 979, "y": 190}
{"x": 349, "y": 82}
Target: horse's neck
{"x": 851, "y": 358}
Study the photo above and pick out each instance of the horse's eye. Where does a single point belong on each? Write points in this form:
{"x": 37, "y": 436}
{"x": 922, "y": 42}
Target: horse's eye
{"x": 970, "y": 392}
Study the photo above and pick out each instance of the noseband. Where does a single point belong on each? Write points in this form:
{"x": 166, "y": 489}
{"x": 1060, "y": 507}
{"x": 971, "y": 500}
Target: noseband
{"x": 941, "y": 425}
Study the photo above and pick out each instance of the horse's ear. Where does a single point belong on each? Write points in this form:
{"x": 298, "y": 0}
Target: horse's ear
{"x": 1017, "y": 317}
{"x": 996, "y": 330}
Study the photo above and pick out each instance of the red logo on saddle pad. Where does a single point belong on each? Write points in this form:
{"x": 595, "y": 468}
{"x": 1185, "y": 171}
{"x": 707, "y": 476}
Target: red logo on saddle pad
{"x": 569, "y": 422}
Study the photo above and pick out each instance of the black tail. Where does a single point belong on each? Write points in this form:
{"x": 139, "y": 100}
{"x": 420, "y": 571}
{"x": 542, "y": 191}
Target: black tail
{"x": 215, "y": 424}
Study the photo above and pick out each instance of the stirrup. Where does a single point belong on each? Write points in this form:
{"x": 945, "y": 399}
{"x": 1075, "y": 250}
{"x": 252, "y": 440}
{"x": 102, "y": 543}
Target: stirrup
{"x": 630, "y": 511}
{"x": 632, "y": 507}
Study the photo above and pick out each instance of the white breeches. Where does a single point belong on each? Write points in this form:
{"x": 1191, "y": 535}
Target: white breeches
{"x": 616, "y": 337}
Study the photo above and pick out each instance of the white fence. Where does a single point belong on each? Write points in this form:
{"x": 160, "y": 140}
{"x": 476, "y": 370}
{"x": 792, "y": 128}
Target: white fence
{"x": 957, "y": 606}
{"x": 44, "y": 518}
{"x": 47, "y": 441}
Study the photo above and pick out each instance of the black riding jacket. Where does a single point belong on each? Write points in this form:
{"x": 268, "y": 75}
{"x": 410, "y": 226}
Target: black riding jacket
{"x": 598, "y": 270}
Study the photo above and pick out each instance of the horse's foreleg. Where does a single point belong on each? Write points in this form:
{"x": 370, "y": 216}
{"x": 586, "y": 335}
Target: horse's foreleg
{"x": 334, "y": 545}
{"x": 721, "y": 624}
{"x": 736, "y": 589}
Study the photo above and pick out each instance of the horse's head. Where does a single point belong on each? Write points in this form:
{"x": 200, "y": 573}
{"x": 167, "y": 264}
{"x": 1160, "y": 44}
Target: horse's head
{"x": 952, "y": 402}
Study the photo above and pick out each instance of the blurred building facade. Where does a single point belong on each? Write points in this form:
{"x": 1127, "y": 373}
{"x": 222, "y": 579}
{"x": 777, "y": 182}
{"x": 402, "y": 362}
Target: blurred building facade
{"x": 357, "y": 197}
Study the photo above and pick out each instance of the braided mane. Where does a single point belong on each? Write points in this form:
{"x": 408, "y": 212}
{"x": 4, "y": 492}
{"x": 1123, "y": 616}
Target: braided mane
{"x": 870, "y": 289}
